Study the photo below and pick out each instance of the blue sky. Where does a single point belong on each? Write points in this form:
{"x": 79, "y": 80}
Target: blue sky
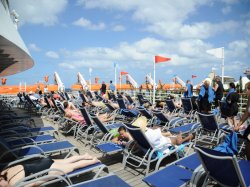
{"x": 72, "y": 36}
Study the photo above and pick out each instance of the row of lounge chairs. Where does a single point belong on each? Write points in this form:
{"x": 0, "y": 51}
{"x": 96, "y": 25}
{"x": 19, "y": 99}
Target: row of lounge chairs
{"x": 204, "y": 128}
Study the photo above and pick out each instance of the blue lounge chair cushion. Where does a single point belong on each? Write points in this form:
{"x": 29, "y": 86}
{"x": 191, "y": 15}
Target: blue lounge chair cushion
{"x": 245, "y": 170}
{"x": 190, "y": 162}
{"x": 183, "y": 128}
{"x": 170, "y": 176}
{"x": 50, "y": 147}
{"x": 37, "y": 139}
{"x": 108, "y": 181}
{"x": 109, "y": 147}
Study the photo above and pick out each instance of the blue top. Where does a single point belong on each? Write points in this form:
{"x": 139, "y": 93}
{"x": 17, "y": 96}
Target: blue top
{"x": 112, "y": 87}
{"x": 189, "y": 92}
{"x": 211, "y": 95}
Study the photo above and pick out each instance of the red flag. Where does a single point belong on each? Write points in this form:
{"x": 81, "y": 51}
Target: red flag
{"x": 123, "y": 73}
{"x": 4, "y": 81}
{"x": 194, "y": 76}
{"x": 159, "y": 59}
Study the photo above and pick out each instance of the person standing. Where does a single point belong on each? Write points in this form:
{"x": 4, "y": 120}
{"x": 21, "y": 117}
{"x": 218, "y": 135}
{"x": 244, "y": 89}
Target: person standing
{"x": 189, "y": 89}
{"x": 103, "y": 88}
{"x": 218, "y": 90}
{"x": 206, "y": 97}
{"x": 112, "y": 86}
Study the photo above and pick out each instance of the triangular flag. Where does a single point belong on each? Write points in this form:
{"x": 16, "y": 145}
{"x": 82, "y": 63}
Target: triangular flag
{"x": 217, "y": 52}
{"x": 159, "y": 59}
{"x": 123, "y": 73}
{"x": 194, "y": 76}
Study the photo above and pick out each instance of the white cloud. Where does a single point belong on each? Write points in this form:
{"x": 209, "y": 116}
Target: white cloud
{"x": 43, "y": 12}
{"x": 82, "y": 22}
{"x": 139, "y": 54}
{"x": 52, "y": 54}
{"x": 238, "y": 49}
{"x": 34, "y": 47}
{"x": 167, "y": 18}
{"x": 118, "y": 28}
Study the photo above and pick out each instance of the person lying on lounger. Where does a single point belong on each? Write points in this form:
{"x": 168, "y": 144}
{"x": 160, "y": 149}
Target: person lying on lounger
{"x": 159, "y": 138}
{"x": 11, "y": 175}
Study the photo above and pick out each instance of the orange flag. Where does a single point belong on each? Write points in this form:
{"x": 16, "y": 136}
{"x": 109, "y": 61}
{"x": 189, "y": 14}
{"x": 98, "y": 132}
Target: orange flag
{"x": 124, "y": 73}
{"x": 159, "y": 59}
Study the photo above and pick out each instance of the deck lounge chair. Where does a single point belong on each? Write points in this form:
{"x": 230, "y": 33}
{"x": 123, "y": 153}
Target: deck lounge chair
{"x": 225, "y": 169}
{"x": 104, "y": 129}
{"x": 171, "y": 107}
{"x": 149, "y": 153}
{"x": 107, "y": 181}
{"x": 144, "y": 112}
{"x": 209, "y": 130}
{"x": 178, "y": 173}
{"x": 142, "y": 100}
{"x": 168, "y": 123}
{"x": 44, "y": 149}
{"x": 21, "y": 141}
{"x": 128, "y": 113}
{"x": 188, "y": 109}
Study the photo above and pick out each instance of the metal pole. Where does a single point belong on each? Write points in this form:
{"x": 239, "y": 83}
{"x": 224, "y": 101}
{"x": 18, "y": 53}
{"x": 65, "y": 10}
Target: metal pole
{"x": 154, "y": 86}
{"x": 115, "y": 78}
{"x": 222, "y": 66}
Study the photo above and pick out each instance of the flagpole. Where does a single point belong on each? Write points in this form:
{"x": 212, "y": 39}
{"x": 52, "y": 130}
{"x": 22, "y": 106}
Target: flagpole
{"x": 154, "y": 86}
{"x": 120, "y": 82}
{"x": 222, "y": 66}
{"x": 115, "y": 78}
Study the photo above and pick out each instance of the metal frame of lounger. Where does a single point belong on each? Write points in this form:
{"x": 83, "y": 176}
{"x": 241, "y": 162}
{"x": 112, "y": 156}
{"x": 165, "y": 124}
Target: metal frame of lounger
{"x": 44, "y": 149}
{"x": 35, "y": 140}
{"x": 150, "y": 153}
{"x": 224, "y": 168}
{"x": 29, "y": 131}
{"x": 177, "y": 173}
{"x": 109, "y": 180}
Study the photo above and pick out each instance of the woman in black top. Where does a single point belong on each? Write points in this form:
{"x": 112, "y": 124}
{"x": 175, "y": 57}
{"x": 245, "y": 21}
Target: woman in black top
{"x": 11, "y": 175}
{"x": 218, "y": 89}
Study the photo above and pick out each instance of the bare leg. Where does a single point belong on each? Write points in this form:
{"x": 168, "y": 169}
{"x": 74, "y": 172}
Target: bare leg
{"x": 74, "y": 159}
{"x": 166, "y": 133}
{"x": 67, "y": 168}
{"x": 179, "y": 140}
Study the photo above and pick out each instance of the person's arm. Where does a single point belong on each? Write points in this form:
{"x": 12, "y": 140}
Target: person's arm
{"x": 245, "y": 115}
{"x": 216, "y": 87}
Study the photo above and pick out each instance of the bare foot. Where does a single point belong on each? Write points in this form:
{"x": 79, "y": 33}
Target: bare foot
{"x": 190, "y": 137}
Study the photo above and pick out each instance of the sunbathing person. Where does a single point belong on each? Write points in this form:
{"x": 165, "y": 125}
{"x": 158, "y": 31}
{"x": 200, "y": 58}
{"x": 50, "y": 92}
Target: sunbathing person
{"x": 71, "y": 113}
{"x": 11, "y": 175}
{"x": 158, "y": 138}
{"x": 123, "y": 136}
